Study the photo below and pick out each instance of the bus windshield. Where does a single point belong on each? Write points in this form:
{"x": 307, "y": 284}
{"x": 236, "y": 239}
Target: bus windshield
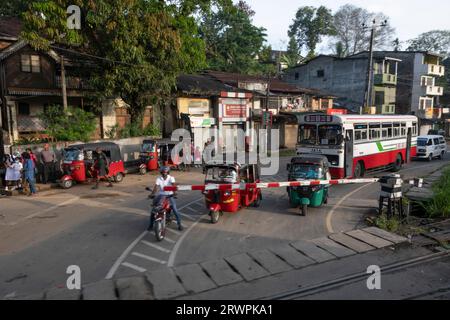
{"x": 329, "y": 134}
{"x": 307, "y": 134}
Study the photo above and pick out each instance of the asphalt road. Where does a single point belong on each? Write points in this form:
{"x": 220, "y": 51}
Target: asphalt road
{"x": 103, "y": 231}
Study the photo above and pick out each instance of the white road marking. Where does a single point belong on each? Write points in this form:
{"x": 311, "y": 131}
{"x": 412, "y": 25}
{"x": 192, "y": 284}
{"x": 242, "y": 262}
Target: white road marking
{"x": 143, "y": 256}
{"x": 331, "y": 212}
{"x": 155, "y": 246}
{"x": 187, "y": 216}
{"x": 122, "y": 257}
{"x": 134, "y": 267}
{"x": 44, "y": 211}
{"x": 177, "y": 246}
{"x": 192, "y": 210}
{"x": 173, "y": 231}
{"x": 139, "y": 212}
{"x": 169, "y": 240}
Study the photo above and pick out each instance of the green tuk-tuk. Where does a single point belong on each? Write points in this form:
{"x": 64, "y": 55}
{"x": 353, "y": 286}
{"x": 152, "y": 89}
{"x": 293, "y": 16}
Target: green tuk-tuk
{"x": 308, "y": 167}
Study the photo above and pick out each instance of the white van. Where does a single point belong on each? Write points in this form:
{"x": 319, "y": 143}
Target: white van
{"x": 432, "y": 146}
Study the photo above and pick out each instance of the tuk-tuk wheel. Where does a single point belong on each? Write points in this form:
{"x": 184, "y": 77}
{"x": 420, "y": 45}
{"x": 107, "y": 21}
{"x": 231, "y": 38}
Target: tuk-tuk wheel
{"x": 258, "y": 200}
{"x": 303, "y": 209}
{"x": 67, "y": 184}
{"x": 118, "y": 177}
{"x": 214, "y": 216}
{"x": 142, "y": 171}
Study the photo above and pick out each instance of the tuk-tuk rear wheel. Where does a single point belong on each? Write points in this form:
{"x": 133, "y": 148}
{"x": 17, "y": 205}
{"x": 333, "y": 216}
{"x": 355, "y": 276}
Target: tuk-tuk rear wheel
{"x": 303, "y": 209}
{"x": 142, "y": 171}
{"x": 118, "y": 177}
{"x": 67, "y": 184}
{"x": 258, "y": 200}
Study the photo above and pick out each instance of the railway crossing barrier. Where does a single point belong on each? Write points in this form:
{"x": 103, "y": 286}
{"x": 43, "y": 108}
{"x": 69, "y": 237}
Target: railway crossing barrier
{"x": 391, "y": 194}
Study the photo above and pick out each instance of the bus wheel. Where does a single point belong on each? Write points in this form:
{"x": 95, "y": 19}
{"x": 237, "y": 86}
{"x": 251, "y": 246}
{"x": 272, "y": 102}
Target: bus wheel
{"x": 359, "y": 170}
{"x": 398, "y": 163}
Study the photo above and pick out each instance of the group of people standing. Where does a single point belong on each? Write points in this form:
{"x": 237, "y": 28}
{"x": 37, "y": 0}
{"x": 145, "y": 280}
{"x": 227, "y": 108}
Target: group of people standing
{"x": 18, "y": 169}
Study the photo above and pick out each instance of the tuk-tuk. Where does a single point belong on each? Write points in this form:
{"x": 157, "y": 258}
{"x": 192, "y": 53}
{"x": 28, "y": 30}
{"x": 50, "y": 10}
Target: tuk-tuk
{"x": 219, "y": 201}
{"x": 148, "y": 156}
{"x": 308, "y": 167}
{"x": 78, "y": 161}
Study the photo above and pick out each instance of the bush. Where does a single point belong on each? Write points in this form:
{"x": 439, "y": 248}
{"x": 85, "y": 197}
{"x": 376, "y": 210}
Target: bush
{"x": 439, "y": 206}
{"x": 135, "y": 130}
{"x": 391, "y": 224}
{"x": 74, "y": 125}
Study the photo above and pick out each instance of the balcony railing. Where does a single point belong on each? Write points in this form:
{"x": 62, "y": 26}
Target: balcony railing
{"x": 385, "y": 78}
{"x": 434, "y": 91}
{"x": 76, "y": 83}
{"x": 386, "y": 109}
{"x": 436, "y": 70}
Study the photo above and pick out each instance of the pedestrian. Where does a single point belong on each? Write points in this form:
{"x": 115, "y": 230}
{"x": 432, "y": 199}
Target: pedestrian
{"x": 3, "y": 167}
{"x": 101, "y": 167}
{"x": 13, "y": 173}
{"x": 48, "y": 161}
{"x": 29, "y": 172}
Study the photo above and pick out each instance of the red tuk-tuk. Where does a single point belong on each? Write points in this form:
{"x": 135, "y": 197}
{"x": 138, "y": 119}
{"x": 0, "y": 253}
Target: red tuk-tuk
{"x": 148, "y": 157}
{"x": 158, "y": 153}
{"x": 79, "y": 160}
{"x": 219, "y": 201}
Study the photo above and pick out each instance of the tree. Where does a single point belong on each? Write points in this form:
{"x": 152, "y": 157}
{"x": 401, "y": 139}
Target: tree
{"x": 139, "y": 46}
{"x": 348, "y": 25}
{"x": 436, "y": 41}
{"x": 308, "y": 27}
{"x": 233, "y": 43}
{"x": 340, "y": 51}
{"x": 292, "y": 56}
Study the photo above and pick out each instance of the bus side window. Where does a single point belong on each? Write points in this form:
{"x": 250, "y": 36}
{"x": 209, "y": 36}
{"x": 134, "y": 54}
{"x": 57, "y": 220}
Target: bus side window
{"x": 357, "y": 135}
{"x": 374, "y": 131}
{"x": 396, "y": 129}
{"x": 403, "y": 132}
{"x": 414, "y": 129}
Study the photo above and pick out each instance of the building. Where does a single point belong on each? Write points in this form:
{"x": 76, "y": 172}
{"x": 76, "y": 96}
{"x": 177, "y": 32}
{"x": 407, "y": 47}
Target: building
{"x": 346, "y": 78}
{"x": 418, "y": 91}
{"x": 277, "y": 98}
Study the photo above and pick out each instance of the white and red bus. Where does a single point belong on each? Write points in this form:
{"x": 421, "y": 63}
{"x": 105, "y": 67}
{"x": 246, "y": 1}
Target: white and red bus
{"x": 355, "y": 144}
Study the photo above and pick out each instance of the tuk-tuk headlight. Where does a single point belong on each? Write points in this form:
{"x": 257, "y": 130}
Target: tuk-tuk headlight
{"x": 227, "y": 193}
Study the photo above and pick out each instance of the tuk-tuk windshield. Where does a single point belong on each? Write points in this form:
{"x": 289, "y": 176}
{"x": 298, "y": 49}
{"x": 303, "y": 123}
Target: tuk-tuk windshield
{"x": 73, "y": 155}
{"x": 220, "y": 175}
{"x": 306, "y": 171}
{"x": 148, "y": 147}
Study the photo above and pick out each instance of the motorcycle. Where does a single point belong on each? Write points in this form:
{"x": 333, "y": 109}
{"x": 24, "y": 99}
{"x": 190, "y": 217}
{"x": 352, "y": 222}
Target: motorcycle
{"x": 162, "y": 217}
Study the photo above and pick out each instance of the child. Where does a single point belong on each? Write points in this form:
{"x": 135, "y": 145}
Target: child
{"x": 13, "y": 173}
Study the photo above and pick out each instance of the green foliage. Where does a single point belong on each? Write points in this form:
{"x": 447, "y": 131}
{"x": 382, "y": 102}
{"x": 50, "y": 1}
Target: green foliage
{"x": 141, "y": 45}
{"x": 391, "y": 224}
{"x": 233, "y": 43}
{"x": 436, "y": 41}
{"x": 12, "y": 8}
{"x": 293, "y": 56}
{"x": 74, "y": 125}
{"x": 135, "y": 130}
{"x": 309, "y": 25}
{"x": 439, "y": 206}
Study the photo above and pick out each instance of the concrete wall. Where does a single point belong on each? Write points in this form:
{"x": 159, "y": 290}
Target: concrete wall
{"x": 343, "y": 78}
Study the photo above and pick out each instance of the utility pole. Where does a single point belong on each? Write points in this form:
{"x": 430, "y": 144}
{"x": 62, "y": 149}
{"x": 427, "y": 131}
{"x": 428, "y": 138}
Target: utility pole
{"x": 63, "y": 84}
{"x": 368, "y": 96}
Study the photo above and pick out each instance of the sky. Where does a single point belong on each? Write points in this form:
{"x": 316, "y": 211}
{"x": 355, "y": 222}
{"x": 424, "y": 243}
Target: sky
{"x": 409, "y": 17}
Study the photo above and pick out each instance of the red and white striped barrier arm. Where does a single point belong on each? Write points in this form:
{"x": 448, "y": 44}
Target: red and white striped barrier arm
{"x": 265, "y": 185}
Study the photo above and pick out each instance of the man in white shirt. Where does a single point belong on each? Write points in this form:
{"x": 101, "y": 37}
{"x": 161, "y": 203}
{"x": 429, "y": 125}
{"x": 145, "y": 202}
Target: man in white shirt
{"x": 165, "y": 180}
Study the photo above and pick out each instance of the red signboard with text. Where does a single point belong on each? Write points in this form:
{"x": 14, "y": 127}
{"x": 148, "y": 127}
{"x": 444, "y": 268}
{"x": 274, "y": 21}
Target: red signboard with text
{"x": 234, "y": 108}
{"x": 336, "y": 111}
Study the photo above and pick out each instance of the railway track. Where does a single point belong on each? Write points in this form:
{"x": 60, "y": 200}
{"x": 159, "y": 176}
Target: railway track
{"x": 361, "y": 276}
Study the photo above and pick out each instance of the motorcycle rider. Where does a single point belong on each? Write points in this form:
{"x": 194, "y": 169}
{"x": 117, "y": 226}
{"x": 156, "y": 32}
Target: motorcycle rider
{"x": 165, "y": 180}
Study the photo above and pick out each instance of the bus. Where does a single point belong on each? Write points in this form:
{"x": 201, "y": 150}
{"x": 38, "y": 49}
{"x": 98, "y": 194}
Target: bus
{"x": 355, "y": 144}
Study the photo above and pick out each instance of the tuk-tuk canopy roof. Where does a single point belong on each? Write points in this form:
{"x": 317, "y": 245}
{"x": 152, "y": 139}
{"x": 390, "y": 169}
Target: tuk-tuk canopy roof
{"x": 311, "y": 159}
{"x": 110, "y": 147}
